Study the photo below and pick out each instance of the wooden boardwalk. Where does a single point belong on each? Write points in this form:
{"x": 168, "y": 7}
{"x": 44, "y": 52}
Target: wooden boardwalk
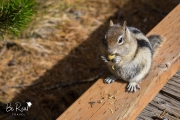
{"x": 166, "y": 104}
{"x": 111, "y": 102}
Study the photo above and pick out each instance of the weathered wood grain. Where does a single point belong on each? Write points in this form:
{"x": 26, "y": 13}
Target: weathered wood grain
{"x": 166, "y": 100}
{"x": 111, "y": 102}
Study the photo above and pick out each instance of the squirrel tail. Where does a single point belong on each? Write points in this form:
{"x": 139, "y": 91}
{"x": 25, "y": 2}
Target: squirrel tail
{"x": 155, "y": 41}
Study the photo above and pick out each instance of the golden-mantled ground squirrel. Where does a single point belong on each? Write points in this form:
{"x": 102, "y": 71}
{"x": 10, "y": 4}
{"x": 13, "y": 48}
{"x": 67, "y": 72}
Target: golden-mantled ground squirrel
{"x": 128, "y": 54}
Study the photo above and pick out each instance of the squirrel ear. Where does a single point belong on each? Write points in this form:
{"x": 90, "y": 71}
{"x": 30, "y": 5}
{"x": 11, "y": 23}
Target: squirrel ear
{"x": 111, "y": 23}
{"x": 124, "y": 25}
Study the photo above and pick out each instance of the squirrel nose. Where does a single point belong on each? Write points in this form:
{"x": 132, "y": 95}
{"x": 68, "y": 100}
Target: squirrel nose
{"x": 111, "y": 50}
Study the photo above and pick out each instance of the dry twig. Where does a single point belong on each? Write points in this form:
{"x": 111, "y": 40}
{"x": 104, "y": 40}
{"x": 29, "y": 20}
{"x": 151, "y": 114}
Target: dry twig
{"x": 73, "y": 83}
{"x": 20, "y": 86}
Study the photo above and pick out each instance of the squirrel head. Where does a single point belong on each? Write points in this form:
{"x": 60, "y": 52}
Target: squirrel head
{"x": 118, "y": 39}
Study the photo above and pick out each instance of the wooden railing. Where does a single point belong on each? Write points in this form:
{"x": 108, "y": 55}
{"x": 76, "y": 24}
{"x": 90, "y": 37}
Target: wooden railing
{"x": 111, "y": 102}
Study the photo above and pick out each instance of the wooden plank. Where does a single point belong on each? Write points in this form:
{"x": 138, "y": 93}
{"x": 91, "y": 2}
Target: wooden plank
{"x": 111, "y": 102}
{"x": 166, "y": 101}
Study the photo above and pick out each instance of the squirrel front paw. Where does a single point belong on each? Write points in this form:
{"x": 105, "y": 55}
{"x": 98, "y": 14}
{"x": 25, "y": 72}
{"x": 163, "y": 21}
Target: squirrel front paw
{"x": 132, "y": 87}
{"x": 112, "y": 58}
{"x": 117, "y": 59}
{"x": 104, "y": 58}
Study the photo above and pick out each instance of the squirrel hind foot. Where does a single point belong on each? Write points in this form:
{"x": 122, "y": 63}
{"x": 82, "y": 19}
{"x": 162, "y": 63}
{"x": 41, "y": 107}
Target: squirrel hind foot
{"x": 132, "y": 87}
{"x": 110, "y": 79}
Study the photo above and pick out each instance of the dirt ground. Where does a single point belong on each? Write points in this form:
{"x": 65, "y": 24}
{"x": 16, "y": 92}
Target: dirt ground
{"x": 57, "y": 58}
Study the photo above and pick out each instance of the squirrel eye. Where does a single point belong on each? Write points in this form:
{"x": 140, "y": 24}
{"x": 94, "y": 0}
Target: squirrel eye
{"x": 120, "y": 40}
